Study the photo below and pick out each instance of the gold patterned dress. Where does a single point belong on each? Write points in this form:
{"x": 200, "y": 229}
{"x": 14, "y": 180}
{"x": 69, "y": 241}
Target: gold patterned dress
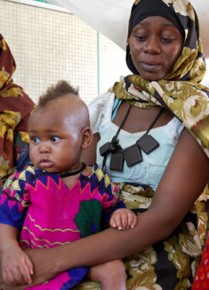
{"x": 15, "y": 108}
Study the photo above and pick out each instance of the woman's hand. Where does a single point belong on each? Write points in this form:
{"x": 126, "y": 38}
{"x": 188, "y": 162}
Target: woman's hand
{"x": 44, "y": 264}
{"x": 9, "y": 287}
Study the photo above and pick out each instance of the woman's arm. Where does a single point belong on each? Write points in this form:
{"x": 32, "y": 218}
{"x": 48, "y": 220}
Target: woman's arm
{"x": 184, "y": 179}
{"x": 8, "y": 237}
{"x": 15, "y": 263}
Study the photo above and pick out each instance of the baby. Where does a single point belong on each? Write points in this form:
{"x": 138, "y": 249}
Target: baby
{"x": 59, "y": 199}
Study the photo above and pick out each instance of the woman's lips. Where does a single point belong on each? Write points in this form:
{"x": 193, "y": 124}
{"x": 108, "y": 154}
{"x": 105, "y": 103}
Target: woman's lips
{"x": 150, "y": 66}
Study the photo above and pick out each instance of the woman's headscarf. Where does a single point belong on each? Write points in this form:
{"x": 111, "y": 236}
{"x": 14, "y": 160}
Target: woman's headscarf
{"x": 180, "y": 90}
{"x": 15, "y": 108}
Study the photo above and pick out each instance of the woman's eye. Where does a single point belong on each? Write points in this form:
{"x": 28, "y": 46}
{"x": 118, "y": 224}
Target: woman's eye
{"x": 140, "y": 37}
{"x": 35, "y": 140}
{"x": 55, "y": 139}
{"x": 166, "y": 40}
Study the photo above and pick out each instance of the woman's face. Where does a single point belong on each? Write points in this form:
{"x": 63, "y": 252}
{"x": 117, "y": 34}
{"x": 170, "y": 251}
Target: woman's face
{"x": 155, "y": 44}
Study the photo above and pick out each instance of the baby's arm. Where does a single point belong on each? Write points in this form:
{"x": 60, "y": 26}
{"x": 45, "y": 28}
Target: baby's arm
{"x": 123, "y": 218}
{"x": 15, "y": 263}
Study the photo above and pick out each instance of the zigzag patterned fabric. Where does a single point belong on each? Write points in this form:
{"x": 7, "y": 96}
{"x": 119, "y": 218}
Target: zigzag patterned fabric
{"x": 49, "y": 214}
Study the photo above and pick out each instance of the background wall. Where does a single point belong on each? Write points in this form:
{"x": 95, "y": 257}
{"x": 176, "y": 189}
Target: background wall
{"x": 49, "y": 45}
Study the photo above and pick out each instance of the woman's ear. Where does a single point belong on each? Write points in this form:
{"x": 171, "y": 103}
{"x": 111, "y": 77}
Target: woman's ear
{"x": 87, "y": 137}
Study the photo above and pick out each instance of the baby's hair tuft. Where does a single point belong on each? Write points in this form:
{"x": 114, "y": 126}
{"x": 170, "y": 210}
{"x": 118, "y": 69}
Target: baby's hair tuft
{"x": 59, "y": 90}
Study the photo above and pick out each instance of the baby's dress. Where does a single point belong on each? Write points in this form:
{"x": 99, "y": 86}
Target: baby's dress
{"x": 48, "y": 213}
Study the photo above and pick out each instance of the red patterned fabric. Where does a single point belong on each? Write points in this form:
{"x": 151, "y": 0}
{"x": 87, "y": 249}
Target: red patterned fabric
{"x": 201, "y": 281}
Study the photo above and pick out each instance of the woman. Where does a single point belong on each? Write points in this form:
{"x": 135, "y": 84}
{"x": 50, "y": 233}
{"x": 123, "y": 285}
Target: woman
{"x": 14, "y": 112}
{"x": 159, "y": 161}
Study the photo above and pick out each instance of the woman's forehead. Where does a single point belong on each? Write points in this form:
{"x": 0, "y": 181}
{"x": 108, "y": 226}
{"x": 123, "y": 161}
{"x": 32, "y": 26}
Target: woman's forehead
{"x": 151, "y": 8}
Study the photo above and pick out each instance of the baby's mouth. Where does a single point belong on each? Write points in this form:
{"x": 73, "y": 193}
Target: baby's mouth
{"x": 45, "y": 163}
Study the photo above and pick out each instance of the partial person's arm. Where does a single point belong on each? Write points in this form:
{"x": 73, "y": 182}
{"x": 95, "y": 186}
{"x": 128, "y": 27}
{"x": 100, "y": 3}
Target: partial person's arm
{"x": 183, "y": 181}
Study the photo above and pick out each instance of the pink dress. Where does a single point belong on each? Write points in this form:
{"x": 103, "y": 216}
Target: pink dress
{"x": 49, "y": 214}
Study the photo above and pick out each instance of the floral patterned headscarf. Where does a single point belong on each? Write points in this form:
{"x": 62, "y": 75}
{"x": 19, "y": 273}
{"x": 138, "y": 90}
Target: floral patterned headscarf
{"x": 15, "y": 108}
{"x": 180, "y": 90}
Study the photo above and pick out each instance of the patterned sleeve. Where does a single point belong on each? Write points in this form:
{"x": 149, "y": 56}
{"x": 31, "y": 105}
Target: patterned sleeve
{"x": 109, "y": 192}
{"x": 110, "y": 197}
{"x": 14, "y": 200}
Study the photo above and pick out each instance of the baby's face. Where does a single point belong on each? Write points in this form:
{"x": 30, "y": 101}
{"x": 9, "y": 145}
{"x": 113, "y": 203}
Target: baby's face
{"x": 55, "y": 141}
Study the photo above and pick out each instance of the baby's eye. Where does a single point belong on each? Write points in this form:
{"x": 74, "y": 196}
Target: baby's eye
{"x": 55, "y": 139}
{"x": 35, "y": 140}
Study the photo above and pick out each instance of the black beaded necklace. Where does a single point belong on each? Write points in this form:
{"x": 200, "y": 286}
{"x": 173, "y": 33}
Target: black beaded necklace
{"x": 132, "y": 154}
{"x": 65, "y": 173}
{"x": 73, "y": 172}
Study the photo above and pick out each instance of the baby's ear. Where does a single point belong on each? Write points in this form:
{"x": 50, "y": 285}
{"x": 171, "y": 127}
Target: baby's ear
{"x": 87, "y": 137}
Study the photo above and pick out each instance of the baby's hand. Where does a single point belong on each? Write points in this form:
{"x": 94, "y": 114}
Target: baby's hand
{"x": 16, "y": 266}
{"x": 123, "y": 218}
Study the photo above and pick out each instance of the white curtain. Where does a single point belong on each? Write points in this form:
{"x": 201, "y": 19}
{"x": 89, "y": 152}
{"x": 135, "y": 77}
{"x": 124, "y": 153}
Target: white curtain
{"x": 110, "y": 17}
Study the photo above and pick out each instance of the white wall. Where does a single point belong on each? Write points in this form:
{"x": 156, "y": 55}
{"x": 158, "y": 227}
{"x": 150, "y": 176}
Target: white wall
{"x": 49, "y": 45}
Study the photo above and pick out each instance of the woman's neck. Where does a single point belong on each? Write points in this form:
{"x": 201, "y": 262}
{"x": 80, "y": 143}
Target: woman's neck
{"x": 140, "y": 119}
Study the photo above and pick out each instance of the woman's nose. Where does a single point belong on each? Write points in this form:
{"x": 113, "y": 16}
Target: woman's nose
{"x": 152, "y": 45}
